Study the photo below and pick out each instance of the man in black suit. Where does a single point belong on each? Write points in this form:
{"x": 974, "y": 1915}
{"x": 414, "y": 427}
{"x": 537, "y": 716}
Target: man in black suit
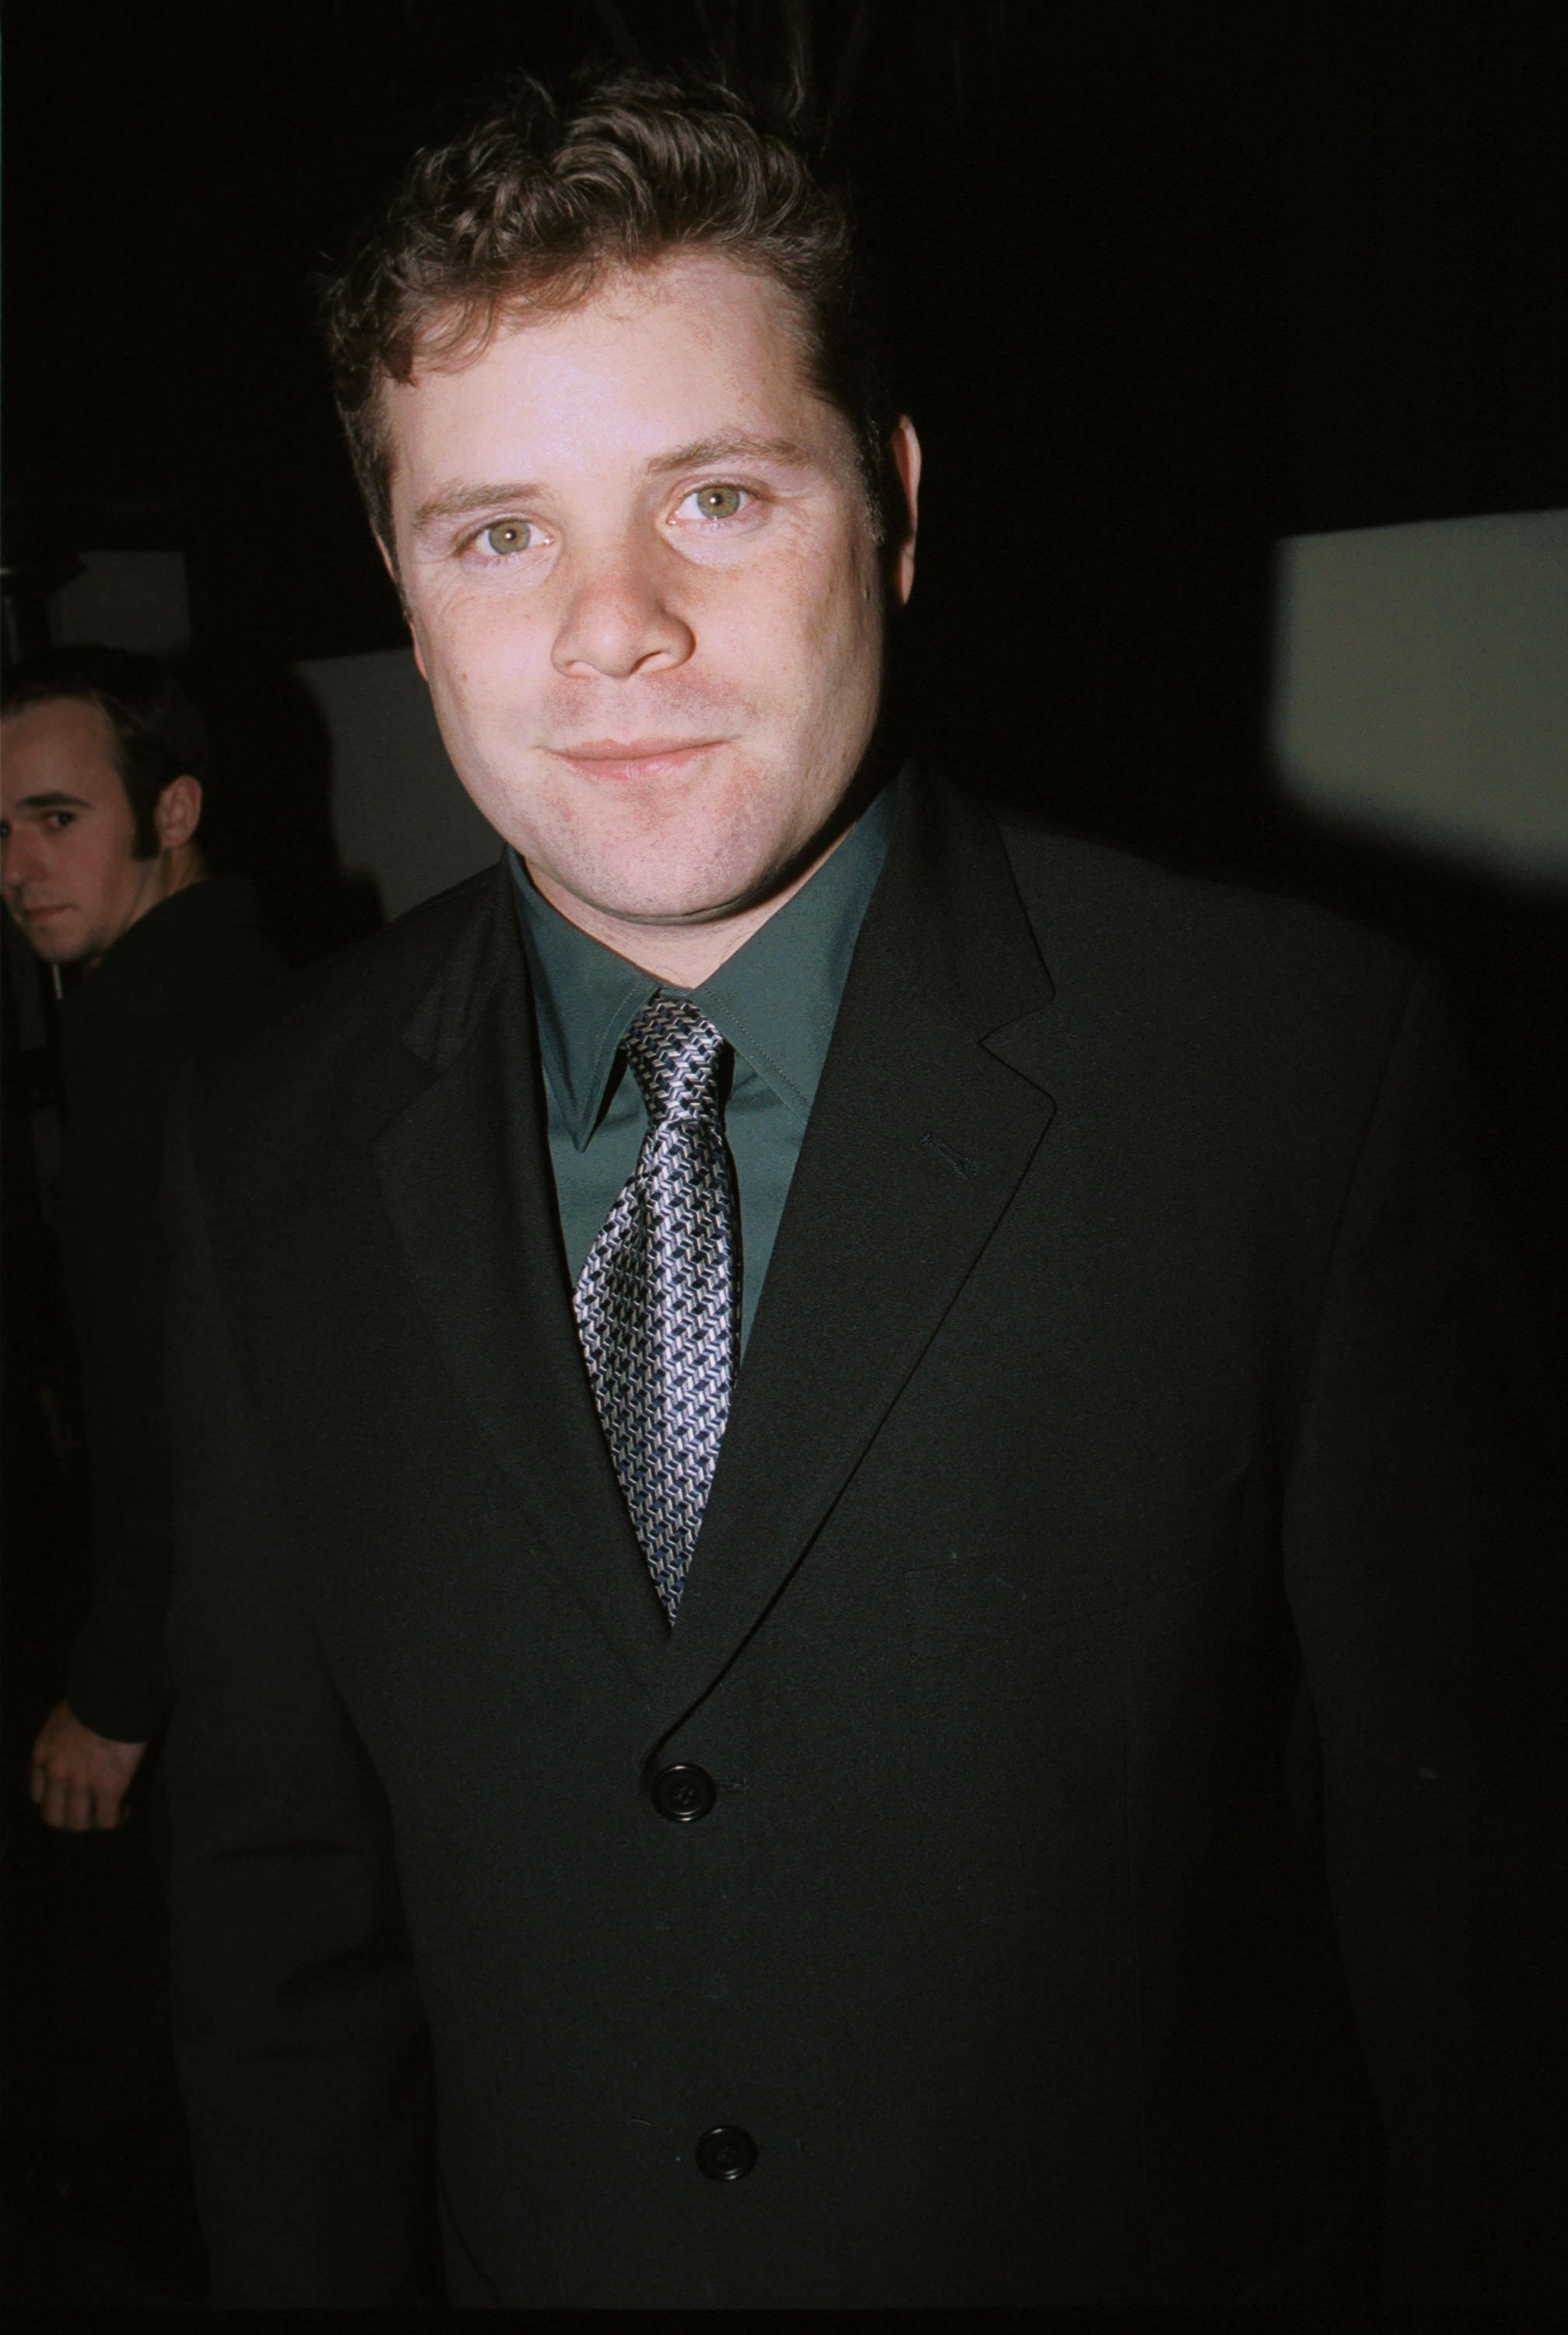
{"x": 103, "y": 870}
{"x": 822, "y": 1620}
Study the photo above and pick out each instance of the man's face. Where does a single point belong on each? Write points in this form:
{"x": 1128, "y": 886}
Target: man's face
{"x": 66, "y": 831}
{"x": 643, "y": 589}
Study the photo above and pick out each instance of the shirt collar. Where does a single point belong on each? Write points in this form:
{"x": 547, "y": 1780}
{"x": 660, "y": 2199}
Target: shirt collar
{"x": 776, "y": 999}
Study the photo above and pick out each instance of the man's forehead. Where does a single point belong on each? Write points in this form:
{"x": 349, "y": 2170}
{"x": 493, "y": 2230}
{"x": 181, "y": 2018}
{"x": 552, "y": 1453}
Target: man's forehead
{"x": 697, "y": 289}
{"x": 693, "y": 349}
{"x": 71, "y": 724}
{"x": 59, "y": 742}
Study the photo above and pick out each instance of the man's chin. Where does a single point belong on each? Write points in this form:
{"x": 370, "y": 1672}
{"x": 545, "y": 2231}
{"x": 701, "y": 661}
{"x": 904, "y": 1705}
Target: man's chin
{"x": 635, "y": 893}
{"x": 691, "y": 908}
{"x": 49, "y": 946}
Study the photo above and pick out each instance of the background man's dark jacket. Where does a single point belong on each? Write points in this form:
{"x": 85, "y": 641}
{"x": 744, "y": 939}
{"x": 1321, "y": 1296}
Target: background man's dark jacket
{"x": 187, "y": 970}
{"x": 1086, "y": 1551}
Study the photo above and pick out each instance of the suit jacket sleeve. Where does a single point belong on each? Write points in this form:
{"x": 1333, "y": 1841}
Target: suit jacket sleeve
{"x": 1395, "y": 1489}
{"x": 303, "y": 2054}
{"x": 117, "y": 1683}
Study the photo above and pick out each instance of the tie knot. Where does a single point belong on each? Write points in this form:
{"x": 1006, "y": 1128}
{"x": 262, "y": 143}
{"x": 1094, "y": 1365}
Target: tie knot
{"x": 675, "y": 1052}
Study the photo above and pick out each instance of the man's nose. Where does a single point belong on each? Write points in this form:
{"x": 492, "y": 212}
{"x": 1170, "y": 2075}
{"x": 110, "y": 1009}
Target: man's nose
{"x": 619, "y": 619}
{"x": 20, "y": 860}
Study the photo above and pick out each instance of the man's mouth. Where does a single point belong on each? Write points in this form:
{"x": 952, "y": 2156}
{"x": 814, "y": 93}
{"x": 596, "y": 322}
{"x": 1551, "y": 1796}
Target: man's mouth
{"x": 615, "y": 759}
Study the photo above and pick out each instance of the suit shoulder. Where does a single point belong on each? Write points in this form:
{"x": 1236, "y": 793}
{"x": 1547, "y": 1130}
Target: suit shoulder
{"x": 1097, "y": 908}
{"x": 325, "y": 1025}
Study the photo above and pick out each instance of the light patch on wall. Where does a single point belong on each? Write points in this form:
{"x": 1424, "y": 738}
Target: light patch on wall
{"x": 398, "y": 809}
{"x": 1422, "y": 684}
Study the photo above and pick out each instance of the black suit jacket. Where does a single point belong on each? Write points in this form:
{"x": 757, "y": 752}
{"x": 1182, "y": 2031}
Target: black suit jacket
{"x": 194, "y": 966}
{"x": 1076, "y": 1636}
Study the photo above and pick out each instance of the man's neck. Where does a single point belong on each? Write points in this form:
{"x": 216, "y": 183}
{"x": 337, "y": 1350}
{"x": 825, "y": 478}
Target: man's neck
{"x": 177, "y": 869}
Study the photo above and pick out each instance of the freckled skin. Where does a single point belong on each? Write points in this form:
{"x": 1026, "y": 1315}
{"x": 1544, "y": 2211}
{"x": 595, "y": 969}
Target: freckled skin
{"x": 607, "y": 595}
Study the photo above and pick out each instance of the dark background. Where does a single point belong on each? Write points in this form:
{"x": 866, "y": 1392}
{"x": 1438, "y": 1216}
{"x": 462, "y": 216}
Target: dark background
{"x": 1164, "y": 284}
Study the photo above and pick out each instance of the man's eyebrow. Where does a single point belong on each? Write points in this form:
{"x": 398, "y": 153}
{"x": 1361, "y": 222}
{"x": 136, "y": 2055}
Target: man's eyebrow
{"x": 454, "y": 501}
{"x": 53, "y": 802}
{"x": 736, "y": 446}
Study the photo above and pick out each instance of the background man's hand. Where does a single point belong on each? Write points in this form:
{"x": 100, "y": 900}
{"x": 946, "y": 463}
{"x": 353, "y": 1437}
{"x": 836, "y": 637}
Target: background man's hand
{"x": 79, "y": 1779}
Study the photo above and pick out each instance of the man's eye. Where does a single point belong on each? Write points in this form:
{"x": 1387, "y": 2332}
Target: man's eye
{"x": 718, "y": 502}
{"x": 60, "y": 818}
{"x": 507, "y": 535}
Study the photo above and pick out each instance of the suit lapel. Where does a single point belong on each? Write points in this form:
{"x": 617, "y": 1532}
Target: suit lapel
{"x": 466, "y": 1177}
{"x": 928, "y": 1113}
{"x": 921, "y": 1131}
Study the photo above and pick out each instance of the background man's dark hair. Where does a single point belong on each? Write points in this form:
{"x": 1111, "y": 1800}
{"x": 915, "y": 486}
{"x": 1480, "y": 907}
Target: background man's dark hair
{"x": 539, "y": 200}
{"x": 157, "y": 733}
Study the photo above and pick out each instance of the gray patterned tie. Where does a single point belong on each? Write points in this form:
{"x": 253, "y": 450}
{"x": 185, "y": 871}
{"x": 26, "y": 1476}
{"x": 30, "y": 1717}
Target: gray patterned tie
{"x": 658, "y": 1299}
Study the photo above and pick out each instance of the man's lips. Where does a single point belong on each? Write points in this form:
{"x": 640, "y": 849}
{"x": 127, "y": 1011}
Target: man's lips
{"x": 635, "y": 758}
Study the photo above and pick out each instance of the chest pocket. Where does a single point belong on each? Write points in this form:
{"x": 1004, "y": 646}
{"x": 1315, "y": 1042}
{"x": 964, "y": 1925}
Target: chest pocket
{"x": 1091, "y": 1560}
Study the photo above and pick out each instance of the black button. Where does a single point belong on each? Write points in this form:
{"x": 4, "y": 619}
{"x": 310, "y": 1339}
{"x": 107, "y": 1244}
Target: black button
{"x": 684, "y": 1793}
{"x": 728, "y": 2153}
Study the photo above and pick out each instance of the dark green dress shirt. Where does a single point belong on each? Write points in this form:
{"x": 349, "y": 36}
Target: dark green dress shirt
{"x": 775, "y": 1000}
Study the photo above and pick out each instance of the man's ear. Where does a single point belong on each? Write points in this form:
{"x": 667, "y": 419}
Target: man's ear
{"x": 904, "y": 449}
{"x": 177, "y": 813}
{"x": 391, "y": 565}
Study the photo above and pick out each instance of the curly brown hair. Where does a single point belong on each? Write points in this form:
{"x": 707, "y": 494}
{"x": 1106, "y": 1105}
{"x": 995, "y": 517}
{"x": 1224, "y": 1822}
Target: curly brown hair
{"x": 546, "y": 194}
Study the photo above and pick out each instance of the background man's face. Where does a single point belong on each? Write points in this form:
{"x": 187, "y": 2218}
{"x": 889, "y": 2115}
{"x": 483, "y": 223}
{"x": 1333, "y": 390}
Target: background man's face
{"x": 66, "y": 866}
{"x": 643, "y": 588}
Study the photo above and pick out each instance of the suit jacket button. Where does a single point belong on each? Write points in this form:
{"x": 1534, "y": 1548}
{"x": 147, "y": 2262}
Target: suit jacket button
{"x": 684, "y": 1793}
{"x": 728, "y": 2153}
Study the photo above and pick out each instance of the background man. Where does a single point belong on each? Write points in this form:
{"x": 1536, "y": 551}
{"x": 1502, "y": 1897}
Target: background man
{"x": 104, "y": 758}
{"x": 825, "y": 1520}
